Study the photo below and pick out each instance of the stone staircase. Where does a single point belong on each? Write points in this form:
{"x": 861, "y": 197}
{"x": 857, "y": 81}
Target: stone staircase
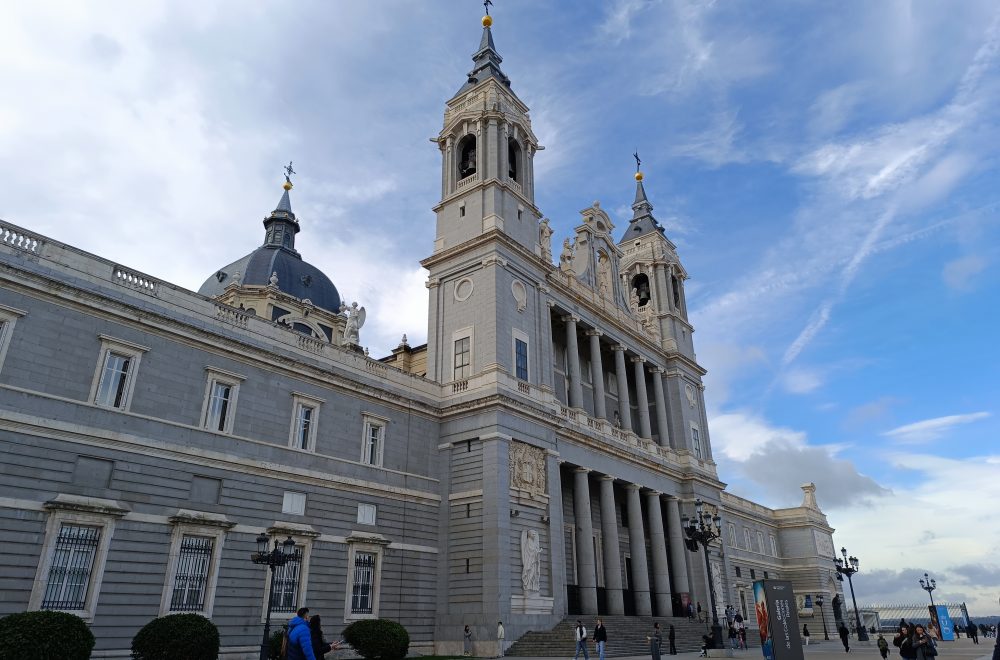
{"x": 626, "y": 637}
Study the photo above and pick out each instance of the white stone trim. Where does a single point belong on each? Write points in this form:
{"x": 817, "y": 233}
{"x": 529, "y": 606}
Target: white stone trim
{"x": 373, "y": 421}
{"x": 222, "y": 377}
{"x": 82, "y": 511}
{"x": 8, "y": 317}
{"x": 462, "y": 333}
{"x": 130, "y": 350}
{"x": 304, "y": 537}
{"x": 184, "y": 525}
{"x": 300, "y": 400}
{"x": 362, "y": 542}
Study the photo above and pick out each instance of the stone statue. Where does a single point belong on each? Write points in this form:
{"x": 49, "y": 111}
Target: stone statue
{"x": 604, "y": 275}
{"x": 273, "y": 280}
{"x": 355, "y": 320}
{"x": 545, "y": 239}
{"x": 566, "y": 258}
{"x": 531, "y": 561}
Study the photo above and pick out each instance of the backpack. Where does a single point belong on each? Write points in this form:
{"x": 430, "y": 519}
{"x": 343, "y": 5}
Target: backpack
{"x": 283, "y": 653}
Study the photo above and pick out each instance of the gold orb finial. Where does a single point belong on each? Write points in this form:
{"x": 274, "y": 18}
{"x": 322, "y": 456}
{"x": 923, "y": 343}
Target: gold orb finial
{"x": 638, "y": 176}
{"x": 487, "y": 20}
{"x": 287, "y": 185}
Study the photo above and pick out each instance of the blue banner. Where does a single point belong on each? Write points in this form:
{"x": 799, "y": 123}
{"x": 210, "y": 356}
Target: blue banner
{"x": 947, "y": 627}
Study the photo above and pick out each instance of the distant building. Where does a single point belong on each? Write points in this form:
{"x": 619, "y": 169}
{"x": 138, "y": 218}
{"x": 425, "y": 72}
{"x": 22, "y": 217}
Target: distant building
{"x": 532, "y": 461}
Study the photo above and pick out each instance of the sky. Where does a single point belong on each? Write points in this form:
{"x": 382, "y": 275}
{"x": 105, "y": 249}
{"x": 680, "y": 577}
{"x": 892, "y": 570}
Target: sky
{"x": 828, "y": 171}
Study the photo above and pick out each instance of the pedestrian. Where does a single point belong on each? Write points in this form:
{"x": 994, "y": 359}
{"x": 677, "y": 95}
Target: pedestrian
{"x": 845, "y": 638}
{"x": 742, "y": 632}
{"x": 600, "y": 637}
{"x": 805, "y": 633}
{"x": 319, "y": 644}
{"x": 690, "y": 611}
{"x": 973, "y": 632}
{"x": 581, "y": 641}
{"x": 698, "y": 609}
{"x": 672, "y": 638}
{"x": 299, "y": 638}
{"x": 923, "y": 643}
{"x": 733, "y": 637}
{"x": 883, "y": 647}
{"x": 706, "y": 643}
{"x": 501, "y": 636}
{"x": 904, "y": 642}
{"x": 655, "y": 642}
{"x": 467, "y": 641}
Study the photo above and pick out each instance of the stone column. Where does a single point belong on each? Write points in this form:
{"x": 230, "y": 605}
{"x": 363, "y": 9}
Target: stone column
{"x": 642, "y": 399}
{"x": 637, "y": 545}
{"x": 678, "y": 552}
{"x": 658, "y": 550}
{"x": 612, "y": 555}
{"x": 586, "y": 575}
{"x": 624, "y": 409}
{"x": 600, "y": 410}
{"x": 573, "y": 368}
{"x": 662, "y": 425}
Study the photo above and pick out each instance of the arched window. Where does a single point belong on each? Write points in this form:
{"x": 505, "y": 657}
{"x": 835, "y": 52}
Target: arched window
{"x": 513, "y": 160}
{"x": 640, "y": 287}
{"x": 466, "y": 156}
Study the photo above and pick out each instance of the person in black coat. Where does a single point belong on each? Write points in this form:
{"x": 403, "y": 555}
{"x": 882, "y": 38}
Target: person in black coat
{"x": 320, "y": 645}
{"x": 672, "y": 636}
{"x": 904, "y": 642}
{"x": 845, "y": 638}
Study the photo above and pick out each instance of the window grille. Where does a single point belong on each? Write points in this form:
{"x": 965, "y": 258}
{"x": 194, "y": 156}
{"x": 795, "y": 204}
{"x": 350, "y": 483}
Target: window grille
{"x": 191, "y": 579}
{"x": 362, "y": 596}
{"x": 114, "y": 379}
{"x": 463, "y": 358}
{"x": 285, "y": 596}
{"x": 218, "y": 406}
{"x": 521, "y": 359}
{"x": 72, "y": 563}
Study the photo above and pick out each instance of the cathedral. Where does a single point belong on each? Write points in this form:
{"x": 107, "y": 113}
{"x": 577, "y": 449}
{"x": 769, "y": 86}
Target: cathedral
{"x": 543, "y": 456}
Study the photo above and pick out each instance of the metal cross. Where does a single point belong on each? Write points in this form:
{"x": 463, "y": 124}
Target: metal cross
{"x": 487, "y": 3}
{"x": 289, "y": 172}
{"x": 637, "y": 161}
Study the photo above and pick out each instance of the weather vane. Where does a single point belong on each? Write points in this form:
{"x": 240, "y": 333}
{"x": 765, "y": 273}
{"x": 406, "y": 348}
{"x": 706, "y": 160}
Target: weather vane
{"x": 289, "y": 172}
{"x": 487, "y": 3}
{"x": 637, "y": 161}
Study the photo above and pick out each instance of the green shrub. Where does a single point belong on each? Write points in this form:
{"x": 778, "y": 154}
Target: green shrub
{"x": 177, "y": 637}
{"x": 43, "y": 635}
{"x": 378, "y": 639}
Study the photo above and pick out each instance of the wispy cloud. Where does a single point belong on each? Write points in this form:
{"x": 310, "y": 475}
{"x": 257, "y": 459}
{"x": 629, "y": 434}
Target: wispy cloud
{"x": 932, "y": 429}
{"x": 959, "y": 273}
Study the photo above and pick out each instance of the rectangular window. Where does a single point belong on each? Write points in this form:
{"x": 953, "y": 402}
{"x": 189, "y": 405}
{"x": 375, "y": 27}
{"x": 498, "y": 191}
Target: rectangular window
{"x": 287, "y": 578}
{"x": 521, "y": 359}
{"x": 293, "y": 503}
{"x": 8, "y": 318}
{"x": 303, "y": 425}
{"x": 774, "y": 546}
{"x": 696, "y": 442}
{"x": 463, "y": 358}
{"x": 753, "y": 574}
{"x": 732, "y": 535}
{"x": 71, "y": 567}
{"x": 760, "y": 543}
{"x": 739, "y": 572}
{"x": 765, "y": 575}
{"x": 374, "y": 441}
{"x": 220, "y": 400}
{"x": 362, "y": 591}
{"x": 114, "y": 380}
{"x": 116, "y": 369}
{"x": 747, "y": 539}
{"x": 305, "y": 417}
{"x": 366, "y": 514}
{"x": 743, "y": 604}
{"x": 612, "y": 384}
{"x": 191, "y": 578}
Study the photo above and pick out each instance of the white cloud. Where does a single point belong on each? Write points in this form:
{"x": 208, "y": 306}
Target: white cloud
{"x": 959, "y": 273}
{"x": 932, "y": 429}
{"x": 801, "y": 381}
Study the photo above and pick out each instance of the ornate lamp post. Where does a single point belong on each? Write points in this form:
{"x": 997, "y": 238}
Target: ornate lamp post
{"x": 819, "y": 604}
{"x": 703, "y": 530}
{"x": 277, "y": 556}
{"x": 849, "y": 566}
{"x": 929, "y": 584}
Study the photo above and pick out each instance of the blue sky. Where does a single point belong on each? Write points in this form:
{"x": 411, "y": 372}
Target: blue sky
{"x": 828, "y": 171}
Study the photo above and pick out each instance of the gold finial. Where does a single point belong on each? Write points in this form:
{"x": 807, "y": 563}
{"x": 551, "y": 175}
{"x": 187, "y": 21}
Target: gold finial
{"x": 287, "y": 185}
{"x": 638, "y": 176}
{"x": 487, "y": 20}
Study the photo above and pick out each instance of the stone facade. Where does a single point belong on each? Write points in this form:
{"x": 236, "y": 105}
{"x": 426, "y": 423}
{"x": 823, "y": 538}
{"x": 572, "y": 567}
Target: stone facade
{"x": 533, "y": 460}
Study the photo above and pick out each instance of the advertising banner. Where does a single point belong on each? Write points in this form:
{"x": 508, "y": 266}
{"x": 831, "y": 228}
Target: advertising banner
{"x": 941, "y": 624}
{"x": 777, "y": 618}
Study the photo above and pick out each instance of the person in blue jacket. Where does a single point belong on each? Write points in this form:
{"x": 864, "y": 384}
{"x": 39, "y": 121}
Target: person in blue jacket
{"x": 299, "y": 638}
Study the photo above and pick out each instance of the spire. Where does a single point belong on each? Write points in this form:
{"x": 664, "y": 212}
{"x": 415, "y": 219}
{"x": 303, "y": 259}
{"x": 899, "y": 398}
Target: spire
{"x": 281, "y": 226}
{"x": 486, "y": 60}
{"x": 642, "y": 221}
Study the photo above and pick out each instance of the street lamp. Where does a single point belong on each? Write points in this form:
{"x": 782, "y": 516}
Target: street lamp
{"x": 819, "y": 603}
{"x": 849, "y": 566}
{"x": 929, "y": 584}
{"x": 279, "y": 555}
{"x": 703, "y": 530}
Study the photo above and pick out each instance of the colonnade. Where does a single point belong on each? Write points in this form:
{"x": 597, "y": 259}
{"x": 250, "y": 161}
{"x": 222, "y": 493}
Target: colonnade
{"x": 667, "y": 553}
{"x": 640, "y": 368}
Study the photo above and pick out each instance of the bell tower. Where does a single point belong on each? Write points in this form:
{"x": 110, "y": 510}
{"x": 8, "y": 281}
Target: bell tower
{"x": 487, "y": 155}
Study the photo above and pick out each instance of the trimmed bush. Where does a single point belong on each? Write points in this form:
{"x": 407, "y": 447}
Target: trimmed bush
{"x": 177, "y": 637}
{"x": 41, "y": 635}
{"x": 378, "y": 639}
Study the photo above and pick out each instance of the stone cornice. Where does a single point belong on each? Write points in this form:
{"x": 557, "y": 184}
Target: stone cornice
{"x": 80, "y": 504}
